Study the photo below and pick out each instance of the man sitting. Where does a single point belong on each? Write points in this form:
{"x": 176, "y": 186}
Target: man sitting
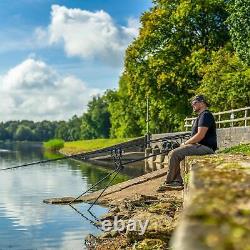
{"x": 203, "y": 141}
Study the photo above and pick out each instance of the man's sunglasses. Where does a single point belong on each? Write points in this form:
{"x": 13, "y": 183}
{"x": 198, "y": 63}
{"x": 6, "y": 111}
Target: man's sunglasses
{"x": 194, "y": 102}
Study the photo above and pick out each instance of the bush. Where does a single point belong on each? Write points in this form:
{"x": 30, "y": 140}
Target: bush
{"x": 54, "y": 145}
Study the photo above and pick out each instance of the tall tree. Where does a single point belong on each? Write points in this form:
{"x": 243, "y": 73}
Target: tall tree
{"x": 74, "y": 127}
{"x": 239, "y": 25}
{"x": 23, "y": 133}
{"x": 225, "y": 81}
{"x": 62, "y": 131}
{"x": 176, "y": 38}
{"x": 96, "y": 121}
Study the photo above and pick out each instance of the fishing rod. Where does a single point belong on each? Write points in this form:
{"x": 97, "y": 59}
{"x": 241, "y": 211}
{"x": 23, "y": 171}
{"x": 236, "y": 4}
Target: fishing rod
{"x": 118, "y": 164}
{"x": 119, "y": 167}
{"x": 84, "y": 156}
{"x": 117, "y": 158}
{"x": 105, "y": 177}
{"x": 86, "y": 218}
{"x": 172, "y": 137}
{"x": 94, "y": 223}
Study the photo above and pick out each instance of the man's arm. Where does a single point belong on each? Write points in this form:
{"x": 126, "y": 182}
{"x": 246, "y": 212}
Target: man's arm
{"x": 198, "y": 136}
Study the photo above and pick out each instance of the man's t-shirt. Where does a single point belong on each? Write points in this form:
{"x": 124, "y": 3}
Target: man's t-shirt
{"x": 206, "y": 119}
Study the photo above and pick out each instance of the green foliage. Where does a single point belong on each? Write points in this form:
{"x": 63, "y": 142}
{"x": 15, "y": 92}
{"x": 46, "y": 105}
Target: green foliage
{"x": 241, "y": 148}
{"x": 27, "y": 130}
{"x": 239, "y": 25}
{"x": 4, "y": 134}
{"x": 124, "y": 116}
{"x": 62, "y": 131}
{"x": 11, "y": 127}
{"x": 54, "y": 145}
{"x": 96, "y": 121}
{"x": 176, "y": 39}
{"x": 69, "y": 131}
{"x": 89, "y": 145}
{"x": 23, "y": 133}
{"x": 44, "y": 130}
{"x": 225, "y": 81}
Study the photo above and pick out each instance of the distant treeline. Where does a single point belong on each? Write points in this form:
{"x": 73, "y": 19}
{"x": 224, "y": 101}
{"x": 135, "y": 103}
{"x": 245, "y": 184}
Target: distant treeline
{"x": 94, "y": 123}
{"x": 35, "y": 131}
{"x": 183, "y": 48}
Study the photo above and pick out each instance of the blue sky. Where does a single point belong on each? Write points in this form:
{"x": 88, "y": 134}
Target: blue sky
{"x": 55, "y": 55}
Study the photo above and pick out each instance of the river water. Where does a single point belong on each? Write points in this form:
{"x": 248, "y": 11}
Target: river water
{"x": 28, "y": 223}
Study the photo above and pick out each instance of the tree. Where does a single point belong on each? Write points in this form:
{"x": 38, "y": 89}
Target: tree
{"x": 4, "y": 135}
{"x": 74, "y": 127}
{"x": 11, "y": 127}
{"x": 96, "y": 121}
{"x": 124, "y": 118}
{"x": 226, "y": 81}
{"x": 23, "y": 133}
{"x": 177, "y": 37}
{"x": 62, "y": 131}
{"x": 239, "y": 26}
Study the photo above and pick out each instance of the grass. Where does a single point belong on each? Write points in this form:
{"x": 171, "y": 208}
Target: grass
{"x": 239, "y": 149}
{"x": 75, "y": 147}
{"x": 54, "y": 145}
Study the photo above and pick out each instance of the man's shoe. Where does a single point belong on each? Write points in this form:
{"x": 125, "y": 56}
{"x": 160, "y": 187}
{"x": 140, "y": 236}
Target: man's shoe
{"x": 170, "y": 186}
{"x": 163, "y": 187}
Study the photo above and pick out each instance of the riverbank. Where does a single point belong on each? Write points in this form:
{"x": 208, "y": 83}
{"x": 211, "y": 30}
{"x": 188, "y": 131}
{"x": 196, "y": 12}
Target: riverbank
{"x": 75, "y": 147}
{"x": 135, "y": 200}
{"x": 139, "y": 201}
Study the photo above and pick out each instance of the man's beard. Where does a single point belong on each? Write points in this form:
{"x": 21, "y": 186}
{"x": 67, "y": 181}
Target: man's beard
{"x": 196, "y": 110}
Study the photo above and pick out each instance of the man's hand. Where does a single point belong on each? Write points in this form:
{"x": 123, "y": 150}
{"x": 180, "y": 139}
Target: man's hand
{"x": 197, "y": 137}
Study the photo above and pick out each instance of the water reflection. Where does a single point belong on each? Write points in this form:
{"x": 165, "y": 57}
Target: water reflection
{"x": 25, "y": 221}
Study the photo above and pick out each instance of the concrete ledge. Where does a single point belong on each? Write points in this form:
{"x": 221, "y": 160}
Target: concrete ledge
{"x": 217, "y": 204}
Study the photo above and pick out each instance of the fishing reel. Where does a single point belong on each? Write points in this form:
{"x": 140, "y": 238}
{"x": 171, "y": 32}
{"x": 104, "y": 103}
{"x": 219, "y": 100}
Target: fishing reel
{"x": 169, "y": 145}
{"x": 116, "y": 154}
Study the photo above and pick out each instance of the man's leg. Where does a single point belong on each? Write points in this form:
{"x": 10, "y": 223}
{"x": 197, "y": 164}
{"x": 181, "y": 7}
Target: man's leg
{"x": 177, "y": 155}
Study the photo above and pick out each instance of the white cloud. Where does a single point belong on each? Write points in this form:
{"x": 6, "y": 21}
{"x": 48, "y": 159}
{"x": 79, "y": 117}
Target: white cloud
{"x": 89, "y": 34}
{"x": 133, "y": 27}
{"x": 81, "y": 33}
{"x": 33, "y": 90}
{"x": 40, "y": 37}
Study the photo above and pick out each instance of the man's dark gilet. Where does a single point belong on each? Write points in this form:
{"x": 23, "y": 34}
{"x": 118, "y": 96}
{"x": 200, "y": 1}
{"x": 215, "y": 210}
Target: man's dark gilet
{"x": 206, "y": 119}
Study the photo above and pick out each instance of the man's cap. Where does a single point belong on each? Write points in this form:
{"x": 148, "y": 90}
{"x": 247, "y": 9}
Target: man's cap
{"x": 200, "y": 98}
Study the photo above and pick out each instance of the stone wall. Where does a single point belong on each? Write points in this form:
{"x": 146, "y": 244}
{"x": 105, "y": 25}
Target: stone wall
{"x": 216, "y": 213}
{"x": 228, "y": 137}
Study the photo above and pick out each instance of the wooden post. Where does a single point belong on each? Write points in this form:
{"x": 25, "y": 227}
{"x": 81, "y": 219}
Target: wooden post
{"x": 245, "y": 117}
{"x": 232, "y": 118}
{"x": 147, "y": 116}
